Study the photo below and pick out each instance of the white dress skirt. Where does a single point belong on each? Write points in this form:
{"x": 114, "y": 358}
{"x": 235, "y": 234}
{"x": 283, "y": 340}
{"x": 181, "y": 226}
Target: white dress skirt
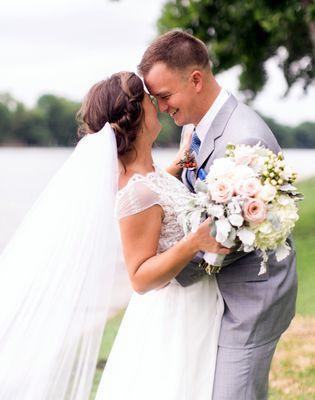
{"x": 166, "y": 345}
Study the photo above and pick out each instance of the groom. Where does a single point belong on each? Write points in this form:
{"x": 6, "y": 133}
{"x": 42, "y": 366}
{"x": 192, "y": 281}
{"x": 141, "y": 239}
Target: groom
{"x": 258, "y": 309}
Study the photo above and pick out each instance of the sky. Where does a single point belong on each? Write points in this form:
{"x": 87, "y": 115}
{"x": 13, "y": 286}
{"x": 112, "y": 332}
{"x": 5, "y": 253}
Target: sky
{"x": 64, "y": 46}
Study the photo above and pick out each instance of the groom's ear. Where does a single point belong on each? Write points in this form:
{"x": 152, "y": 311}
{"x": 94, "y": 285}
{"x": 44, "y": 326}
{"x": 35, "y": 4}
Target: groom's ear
{"x": 197, "y": 80}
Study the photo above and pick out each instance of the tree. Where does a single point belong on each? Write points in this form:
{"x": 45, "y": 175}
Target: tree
{"x": 59, "y": 116}
{"x": 284, "y": 134}
{"x": 170, "y": 134}
{"x": 305, "y": 135}
{"x": 28, "y": 127}
{"x": 7, "y": 106}
{"x": 248, "y": 33}
{"x": 5, "y": 122}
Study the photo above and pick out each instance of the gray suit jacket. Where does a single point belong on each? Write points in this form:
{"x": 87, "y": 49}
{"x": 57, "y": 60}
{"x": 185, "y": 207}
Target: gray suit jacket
{"x": 257, "y": 308}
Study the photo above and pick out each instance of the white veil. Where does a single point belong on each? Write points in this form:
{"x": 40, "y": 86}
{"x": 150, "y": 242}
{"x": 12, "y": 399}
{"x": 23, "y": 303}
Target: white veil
{"x": 56, "y": 277}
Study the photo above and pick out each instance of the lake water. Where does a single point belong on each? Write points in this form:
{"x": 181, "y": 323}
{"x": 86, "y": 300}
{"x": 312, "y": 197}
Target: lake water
{"x": 24, "y": 172}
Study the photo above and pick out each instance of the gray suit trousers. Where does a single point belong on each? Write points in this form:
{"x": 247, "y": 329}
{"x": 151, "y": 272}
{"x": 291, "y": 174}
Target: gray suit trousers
{"x": 242, "y": 374}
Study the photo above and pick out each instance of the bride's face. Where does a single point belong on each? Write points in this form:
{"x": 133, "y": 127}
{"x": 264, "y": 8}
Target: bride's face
{"x": 151, "y": 122}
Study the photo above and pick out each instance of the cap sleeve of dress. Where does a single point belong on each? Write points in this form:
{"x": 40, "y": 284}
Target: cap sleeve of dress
{"x": 135, "y": 197}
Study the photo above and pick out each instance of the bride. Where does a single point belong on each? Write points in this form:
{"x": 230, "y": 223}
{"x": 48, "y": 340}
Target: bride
{"x": 166, "y": 345}
{"x": 57, "y": 271}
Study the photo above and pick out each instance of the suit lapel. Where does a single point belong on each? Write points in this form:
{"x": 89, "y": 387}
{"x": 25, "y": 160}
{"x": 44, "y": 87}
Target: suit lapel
{"x": 215, "y": 130}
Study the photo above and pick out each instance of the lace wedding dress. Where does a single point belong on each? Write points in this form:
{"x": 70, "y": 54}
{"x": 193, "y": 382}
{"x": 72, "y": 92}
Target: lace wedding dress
{"x": 167, "y": 342}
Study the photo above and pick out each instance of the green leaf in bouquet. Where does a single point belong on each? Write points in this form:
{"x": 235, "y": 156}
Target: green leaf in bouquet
{"x": 223, "y": 229}
{"x": 288, "y": 188}
{"x": 236, "y": 219}
{"x": 195, "y": 218}
{"x": 282, "y": 251}
{"x": 201, "y": 186}
{"x": 213, "y": 230}
{"x": 246, "y": 236}
{"x": 297, "y": 196}
{"x": 215, "y": 210}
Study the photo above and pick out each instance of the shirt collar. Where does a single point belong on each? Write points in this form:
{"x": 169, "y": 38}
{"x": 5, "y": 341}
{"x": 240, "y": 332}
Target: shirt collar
{"x": 204, "y": 125}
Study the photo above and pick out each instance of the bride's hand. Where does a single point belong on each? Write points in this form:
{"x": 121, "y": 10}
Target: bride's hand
{"x": 175, "y": 168}
{"x": 205, "y": 242}
{"x": 185, "y": 144}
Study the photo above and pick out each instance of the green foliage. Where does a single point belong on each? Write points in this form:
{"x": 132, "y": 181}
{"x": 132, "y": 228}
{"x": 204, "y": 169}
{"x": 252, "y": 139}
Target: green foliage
{"x": 304, "y": 236}
{"x": 51, "y": 122}
{"x": 301, "y": 136}
{"x": 305, "y": 135}
{"x": 110, "y": 333}
{"x": 170, "y": 133}
{"x": 284, "y": 134}
{"x": 247, "y": 33}
{"x": 59, "y": 115}
{"x": 5, "y": 122}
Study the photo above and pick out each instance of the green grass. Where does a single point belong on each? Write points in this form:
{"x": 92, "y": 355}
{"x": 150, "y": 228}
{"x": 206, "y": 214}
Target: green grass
{"x": 304, "y": 236}
{"x": 291, "y": 378}
{"x": 293, "y": 368}
{"x": 107, "y": 342}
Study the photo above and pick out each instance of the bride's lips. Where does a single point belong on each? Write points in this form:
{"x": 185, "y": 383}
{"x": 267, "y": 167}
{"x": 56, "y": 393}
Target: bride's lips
{"x": 174, "y": 112}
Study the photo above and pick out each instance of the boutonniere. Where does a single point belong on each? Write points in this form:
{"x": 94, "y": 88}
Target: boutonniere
{"x": 188, "y": 161}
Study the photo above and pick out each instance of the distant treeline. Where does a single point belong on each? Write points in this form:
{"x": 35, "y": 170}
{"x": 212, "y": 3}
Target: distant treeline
{"x": 51, "y": 122}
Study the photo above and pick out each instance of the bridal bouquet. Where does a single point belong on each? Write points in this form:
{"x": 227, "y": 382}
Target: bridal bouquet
{"x": 250, "y": 196}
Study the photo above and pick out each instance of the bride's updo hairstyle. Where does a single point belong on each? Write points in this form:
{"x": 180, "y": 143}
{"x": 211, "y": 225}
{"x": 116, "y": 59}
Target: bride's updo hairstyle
{"x": 117, "y": 100}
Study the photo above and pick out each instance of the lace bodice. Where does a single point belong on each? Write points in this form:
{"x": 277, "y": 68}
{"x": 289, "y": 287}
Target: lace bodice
{"x": 158, "y": 187}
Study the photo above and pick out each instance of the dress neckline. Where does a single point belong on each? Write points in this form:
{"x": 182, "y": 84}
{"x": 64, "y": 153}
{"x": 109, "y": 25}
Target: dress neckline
{"x": 141, "y": 176}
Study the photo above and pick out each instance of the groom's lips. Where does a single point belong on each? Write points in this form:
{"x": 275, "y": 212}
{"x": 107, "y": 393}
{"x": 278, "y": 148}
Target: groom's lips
{"x": 174, "y": 112}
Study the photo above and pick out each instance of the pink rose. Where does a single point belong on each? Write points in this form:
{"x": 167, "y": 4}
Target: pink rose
{"x": 244, "y": 155}
{"x": 249, "y": 187}
{"x": 255, "y": 211}
{"x": 221, "y": 190}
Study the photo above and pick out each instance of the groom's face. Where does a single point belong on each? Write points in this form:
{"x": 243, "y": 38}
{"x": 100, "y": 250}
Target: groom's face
{"x": 174, "y": 91}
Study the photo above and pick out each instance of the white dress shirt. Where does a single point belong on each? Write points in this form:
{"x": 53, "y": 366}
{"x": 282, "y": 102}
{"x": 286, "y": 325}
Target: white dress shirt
{"x": 204, "y": 125}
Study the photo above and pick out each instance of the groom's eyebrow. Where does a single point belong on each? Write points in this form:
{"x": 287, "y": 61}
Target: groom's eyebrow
{"x": 161, "y": 94}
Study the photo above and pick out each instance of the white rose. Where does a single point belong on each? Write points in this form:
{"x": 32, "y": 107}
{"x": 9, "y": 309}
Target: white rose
{"x": 244, "y": 155}
{"x": 241, "y": 172}
{"x": 220, "y": 168}
{"x": 267, "y": 192}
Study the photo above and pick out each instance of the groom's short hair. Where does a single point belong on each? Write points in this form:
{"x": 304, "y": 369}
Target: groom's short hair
{"x": 177, "y": 50}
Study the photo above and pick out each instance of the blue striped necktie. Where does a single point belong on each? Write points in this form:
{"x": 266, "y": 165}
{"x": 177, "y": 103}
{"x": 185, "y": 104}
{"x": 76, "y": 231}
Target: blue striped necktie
{"x": 194, "y": 149}
{"x": 195, "y": 143}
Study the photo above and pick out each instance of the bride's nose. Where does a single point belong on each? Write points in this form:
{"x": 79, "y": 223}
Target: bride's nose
{"x": 163, "y": 107}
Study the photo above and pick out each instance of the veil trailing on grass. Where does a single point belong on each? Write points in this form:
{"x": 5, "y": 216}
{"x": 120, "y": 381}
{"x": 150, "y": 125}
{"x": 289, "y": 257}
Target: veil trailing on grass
{"x": 56, "y": 276}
